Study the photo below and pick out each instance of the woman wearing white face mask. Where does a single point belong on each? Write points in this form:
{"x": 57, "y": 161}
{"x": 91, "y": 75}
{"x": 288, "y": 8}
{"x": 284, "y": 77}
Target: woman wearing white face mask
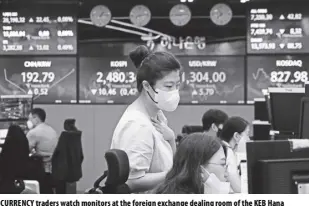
{"x": 199, "y": 168}
{"x": 142, "y": 132}
{"x": 234, "y": 130}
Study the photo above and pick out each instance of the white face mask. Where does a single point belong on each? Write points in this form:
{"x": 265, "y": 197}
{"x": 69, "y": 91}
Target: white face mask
{"x": 214, "y": 186}
{"x": 30, "y": 124}
{"x": 166, "y": 100}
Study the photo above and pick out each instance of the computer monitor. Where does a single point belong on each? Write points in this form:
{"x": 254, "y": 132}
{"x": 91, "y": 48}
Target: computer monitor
{"x": 266, "y": 96}
{"x": 304, "y": 119}
{"x": 15, "y": 107}
{"x": 260, "y": 109}
{"x": 283, "y": 176}
{"x": 267, "y": 150}
{"x": 285, "y": 108}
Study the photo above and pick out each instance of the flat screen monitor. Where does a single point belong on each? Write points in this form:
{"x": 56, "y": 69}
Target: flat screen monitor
{"x": 50, "y": 79}
{"x": 282, "y": 176}
{"x": 15, "y": 107}
{"x": 260, "y": 109}
{"x": 267, "y": 150}
{"x": 304, "y": 119}
{"x": 285, "y": 108}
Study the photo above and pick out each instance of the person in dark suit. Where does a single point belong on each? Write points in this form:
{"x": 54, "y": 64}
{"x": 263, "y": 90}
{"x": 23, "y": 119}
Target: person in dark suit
{"x": 14, "y": 160}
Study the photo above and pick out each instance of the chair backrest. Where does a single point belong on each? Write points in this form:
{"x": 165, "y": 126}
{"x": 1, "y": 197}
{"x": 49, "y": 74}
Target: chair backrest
{"x": 117, "y": 174}
{"x": 189, "y": 129}
{"x": 118, "y": 167}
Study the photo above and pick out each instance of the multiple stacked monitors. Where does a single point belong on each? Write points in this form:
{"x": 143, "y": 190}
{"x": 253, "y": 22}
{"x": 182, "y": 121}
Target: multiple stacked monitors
{"x": 204, "y": 80}
{"x": 111, "y": 78}
{"x": 31, "y": 43}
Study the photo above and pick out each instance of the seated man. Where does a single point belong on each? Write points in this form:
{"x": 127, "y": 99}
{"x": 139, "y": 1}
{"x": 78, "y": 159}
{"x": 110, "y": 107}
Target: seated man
{"x": 43, "y": 140}
{"x": 213, "y": 121}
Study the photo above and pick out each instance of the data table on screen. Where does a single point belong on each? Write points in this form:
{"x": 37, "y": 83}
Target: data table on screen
{"x": 277, "y": 29}
{"x": 45, "y": 30}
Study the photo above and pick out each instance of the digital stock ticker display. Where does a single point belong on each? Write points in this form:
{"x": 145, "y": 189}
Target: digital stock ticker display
{"x": 275, "y": 71}
{"x": 48, "y": 79}
{"x": 278, "y": 29}
{"x": 45, "y": 30}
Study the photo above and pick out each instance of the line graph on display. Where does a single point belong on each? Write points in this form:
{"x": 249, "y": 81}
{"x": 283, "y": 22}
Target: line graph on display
{"x": 227, "y": 92}
{"x": 260, "y": 72}
{"x": 29, "y": 86}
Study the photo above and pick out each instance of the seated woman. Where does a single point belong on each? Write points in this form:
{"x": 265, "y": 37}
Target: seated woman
{"x": 14, "y": 160}
{"x": 199, "y": 167}
{"x": 234, "y": 129}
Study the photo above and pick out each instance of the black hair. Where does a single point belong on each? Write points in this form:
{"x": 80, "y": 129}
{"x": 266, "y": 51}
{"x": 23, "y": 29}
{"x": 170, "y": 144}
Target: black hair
{"x": 213, "y": 116}
{"x": 185, "y": 176}
{"x": 232, "y": 125}
{"x": 40, "y": 113}
{"x": 152, "y": 66}
{"x": 69, "y": 125}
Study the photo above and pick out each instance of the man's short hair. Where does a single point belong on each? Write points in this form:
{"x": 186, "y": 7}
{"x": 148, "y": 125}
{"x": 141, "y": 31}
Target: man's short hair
{"x": 40, "y": 113}
{"x": 213, "y": 116}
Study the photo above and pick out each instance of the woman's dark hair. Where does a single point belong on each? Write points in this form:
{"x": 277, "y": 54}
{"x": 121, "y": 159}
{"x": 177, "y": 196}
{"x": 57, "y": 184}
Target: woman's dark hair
{"x": 185, "y": 176}
{"x": 69, "y": 125}
{"x": 152, "y": 66}
{"x": 232, "y": 125}
{"x": 15, "y": 153}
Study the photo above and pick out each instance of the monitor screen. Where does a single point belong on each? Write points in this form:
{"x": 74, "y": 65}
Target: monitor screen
{"x": 205, "y": 80}
{"x": 38, "y": 29}
{"x": 304, "y": 121}
{"x": 15, "y": 107}
{"x": 267, "y": 150}
{"x": 278, "y": 28}
{"x": 275, "y": 71}
{"x": 212, "y": 80}
{"x": 261, "y": 110}
{"x": 107, "y": 80}
{"x": 279, "y": 174}
{"x": 285, "y": 108}
{"x": 48, "y": 79}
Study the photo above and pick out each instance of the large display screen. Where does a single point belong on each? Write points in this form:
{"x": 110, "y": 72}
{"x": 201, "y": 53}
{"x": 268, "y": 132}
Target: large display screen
{"x": 278, "y": 29}
{"x": 107, "y": 80}
{"x": 48, "y": 79}
{"x": 205, "y": 80}
{"x": 275, "y": 71}
{"x": 38, "y": 30}
{"x": 212, "y": 80}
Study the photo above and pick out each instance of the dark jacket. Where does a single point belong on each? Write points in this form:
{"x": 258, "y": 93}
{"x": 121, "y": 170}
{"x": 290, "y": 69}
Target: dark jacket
{"x": 68, "y": 157}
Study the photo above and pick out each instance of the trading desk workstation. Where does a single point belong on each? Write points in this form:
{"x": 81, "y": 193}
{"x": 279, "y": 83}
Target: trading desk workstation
{"x": 265, "y": 75}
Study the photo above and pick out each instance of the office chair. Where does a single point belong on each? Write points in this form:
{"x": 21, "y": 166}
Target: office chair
{"x": 116, "y": 175}
{"x": 189, "y": 129}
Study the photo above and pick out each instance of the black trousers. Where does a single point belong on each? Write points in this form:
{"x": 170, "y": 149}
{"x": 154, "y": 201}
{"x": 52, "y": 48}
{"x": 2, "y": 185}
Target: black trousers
{"x": 46, "y": 184}
{"x": 60, "y": 187}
